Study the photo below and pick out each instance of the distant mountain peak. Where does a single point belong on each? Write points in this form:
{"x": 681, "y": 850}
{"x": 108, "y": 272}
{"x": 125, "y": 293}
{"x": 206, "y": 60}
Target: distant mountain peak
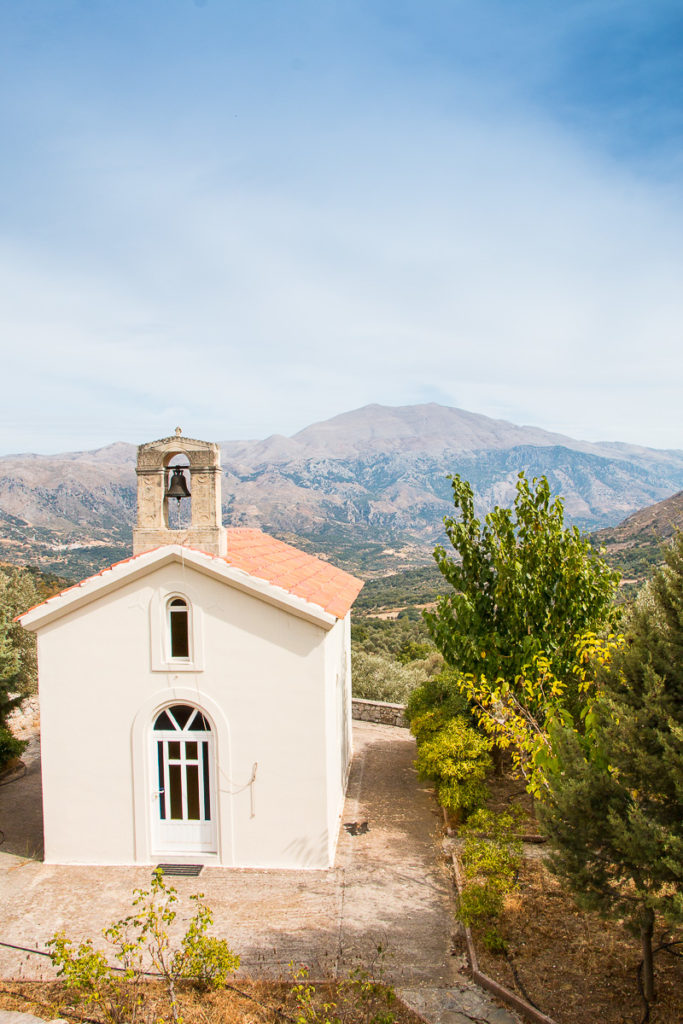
{"x": 370, "y": 479}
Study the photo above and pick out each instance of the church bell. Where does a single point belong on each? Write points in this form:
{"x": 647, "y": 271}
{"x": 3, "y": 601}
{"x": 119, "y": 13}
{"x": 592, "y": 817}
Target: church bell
{"x": 177, "y": 485}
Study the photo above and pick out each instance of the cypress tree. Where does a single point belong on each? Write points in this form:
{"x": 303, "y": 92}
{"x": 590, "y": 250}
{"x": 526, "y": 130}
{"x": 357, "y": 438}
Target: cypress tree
{"x": 615, "y": 812}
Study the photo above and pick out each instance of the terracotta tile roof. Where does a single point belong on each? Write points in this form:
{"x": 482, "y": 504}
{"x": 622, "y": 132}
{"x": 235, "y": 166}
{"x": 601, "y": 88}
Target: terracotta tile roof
{"x": 295, "y": 571}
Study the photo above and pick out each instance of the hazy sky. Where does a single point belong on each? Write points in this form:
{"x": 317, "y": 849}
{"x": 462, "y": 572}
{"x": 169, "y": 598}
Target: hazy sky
{"x": 242, "y": 217}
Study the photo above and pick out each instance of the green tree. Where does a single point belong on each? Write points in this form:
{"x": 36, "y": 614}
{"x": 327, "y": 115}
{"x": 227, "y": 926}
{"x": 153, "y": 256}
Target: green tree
{"x": 9, "y": 670}
{"x": 524, "y": 584}
{"x": 18, "y": 669}
{"x": 19, "y": 591}
{"x": 9, "y": 699}
{"x": 614, "y": 814}
{"x": 522, "y": 716}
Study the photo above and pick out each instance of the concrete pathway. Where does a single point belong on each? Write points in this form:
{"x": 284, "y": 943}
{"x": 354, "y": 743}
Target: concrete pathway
{"x": 21, "y": 808}
{"x": 17, "y": 1017}
{"x": 389, "y": 888}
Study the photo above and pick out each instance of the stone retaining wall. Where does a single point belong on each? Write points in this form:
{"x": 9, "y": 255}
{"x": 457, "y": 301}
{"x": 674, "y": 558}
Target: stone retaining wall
{"x": 24, "y": 721}
{"x": 380, "y": 712}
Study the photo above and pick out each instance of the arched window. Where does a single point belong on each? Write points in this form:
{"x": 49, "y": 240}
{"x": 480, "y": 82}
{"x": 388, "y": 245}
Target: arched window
{"x": 179, "y": 628}
{"x": 182, "y": 736}
{"x": 175, "y": 628}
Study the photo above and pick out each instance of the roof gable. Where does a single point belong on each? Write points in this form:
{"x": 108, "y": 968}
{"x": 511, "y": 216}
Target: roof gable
{"x": 262, "y": 566}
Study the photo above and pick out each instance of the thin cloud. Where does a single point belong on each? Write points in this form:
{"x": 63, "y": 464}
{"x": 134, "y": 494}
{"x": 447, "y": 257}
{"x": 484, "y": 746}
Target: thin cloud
{"x": 326, "y": 248}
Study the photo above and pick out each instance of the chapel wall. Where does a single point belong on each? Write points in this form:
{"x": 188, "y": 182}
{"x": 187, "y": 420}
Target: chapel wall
{"x": 261, "y": 666}
{"x": 337, "y": 725}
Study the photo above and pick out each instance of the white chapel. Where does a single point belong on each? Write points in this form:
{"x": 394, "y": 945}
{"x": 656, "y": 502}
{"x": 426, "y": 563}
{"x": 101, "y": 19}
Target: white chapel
{"x": 196, "y": 698}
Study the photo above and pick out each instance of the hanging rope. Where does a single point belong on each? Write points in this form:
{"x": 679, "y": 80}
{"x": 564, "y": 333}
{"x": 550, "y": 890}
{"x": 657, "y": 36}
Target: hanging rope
{"x": 233, "y": 789}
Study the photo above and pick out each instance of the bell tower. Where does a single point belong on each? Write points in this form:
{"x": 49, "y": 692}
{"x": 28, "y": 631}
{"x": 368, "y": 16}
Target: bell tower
{"x": 156, "y": 479}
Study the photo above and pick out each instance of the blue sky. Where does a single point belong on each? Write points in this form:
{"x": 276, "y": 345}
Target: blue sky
{"x": 246, "y": 217}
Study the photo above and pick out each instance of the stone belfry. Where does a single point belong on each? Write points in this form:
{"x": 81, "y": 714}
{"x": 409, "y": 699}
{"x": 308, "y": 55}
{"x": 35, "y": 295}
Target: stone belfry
{"x": 206, "y": 530}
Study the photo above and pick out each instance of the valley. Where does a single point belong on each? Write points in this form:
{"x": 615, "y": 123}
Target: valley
{"x": 367, "y": 489}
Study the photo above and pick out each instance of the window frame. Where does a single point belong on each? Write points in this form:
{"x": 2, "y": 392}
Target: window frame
{"x": 203, "y": 738}
{"x": 162, "y": 658}
{"x": 172, "y": 616}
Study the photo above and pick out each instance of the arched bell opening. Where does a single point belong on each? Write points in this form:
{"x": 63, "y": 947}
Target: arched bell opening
{"x": 182, "y": 507}
{"x": 177, "y": 492}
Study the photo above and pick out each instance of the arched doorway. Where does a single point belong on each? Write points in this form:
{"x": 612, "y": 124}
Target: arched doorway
{"x": 183, "y": 779}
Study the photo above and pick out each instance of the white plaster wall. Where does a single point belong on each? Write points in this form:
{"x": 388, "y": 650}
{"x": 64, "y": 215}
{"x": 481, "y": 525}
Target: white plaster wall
{"x": 264, "y": 685}
{"x": 337, "y": 722}
{"x": 346, "y": 739}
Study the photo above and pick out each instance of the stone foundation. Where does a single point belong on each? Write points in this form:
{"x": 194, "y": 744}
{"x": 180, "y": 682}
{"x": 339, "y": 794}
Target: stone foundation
{"x": 380, "y": 712}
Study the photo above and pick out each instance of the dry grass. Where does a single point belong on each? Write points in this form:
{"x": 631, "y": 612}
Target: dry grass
{"x": 574, "y": 966}
{"x": 244, "y": 1002}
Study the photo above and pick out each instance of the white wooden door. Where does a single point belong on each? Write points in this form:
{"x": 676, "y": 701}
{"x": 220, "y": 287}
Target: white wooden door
{"x": 184, "y": 797}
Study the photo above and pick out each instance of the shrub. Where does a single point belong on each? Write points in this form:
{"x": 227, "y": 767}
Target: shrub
{"x": 362, "y": 997}
{"x": 143, "y": 934}
{"x": 494, "y": 941}
{"x": 427, "y": 725}
{"x": 203, "y": 958}
{"x": 89, "y": 978}
{"x": 10, "y": 746}
{"x": 455, "y": 757}
{"x": 498, "y": 825}
{"x": 479, "y": 901}
{"x": 491, "y": 857}
{"x": 439, "y": 693}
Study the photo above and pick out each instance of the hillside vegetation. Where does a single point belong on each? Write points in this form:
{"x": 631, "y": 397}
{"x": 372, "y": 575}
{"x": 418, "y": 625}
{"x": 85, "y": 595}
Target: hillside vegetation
{"x": 634, "y": 547}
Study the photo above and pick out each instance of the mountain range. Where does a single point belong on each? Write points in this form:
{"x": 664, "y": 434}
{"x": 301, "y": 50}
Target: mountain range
{"x": 368, "y": 488}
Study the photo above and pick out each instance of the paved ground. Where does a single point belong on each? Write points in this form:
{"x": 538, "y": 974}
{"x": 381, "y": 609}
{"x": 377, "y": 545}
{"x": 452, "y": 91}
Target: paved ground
{"x": 21, "y": 809}
{"x": 389, "y": 887}
{"x": 17, "y": 1017}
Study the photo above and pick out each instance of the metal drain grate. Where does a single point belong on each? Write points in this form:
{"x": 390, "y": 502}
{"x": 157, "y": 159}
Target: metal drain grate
{"x": 182, "y": 870}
